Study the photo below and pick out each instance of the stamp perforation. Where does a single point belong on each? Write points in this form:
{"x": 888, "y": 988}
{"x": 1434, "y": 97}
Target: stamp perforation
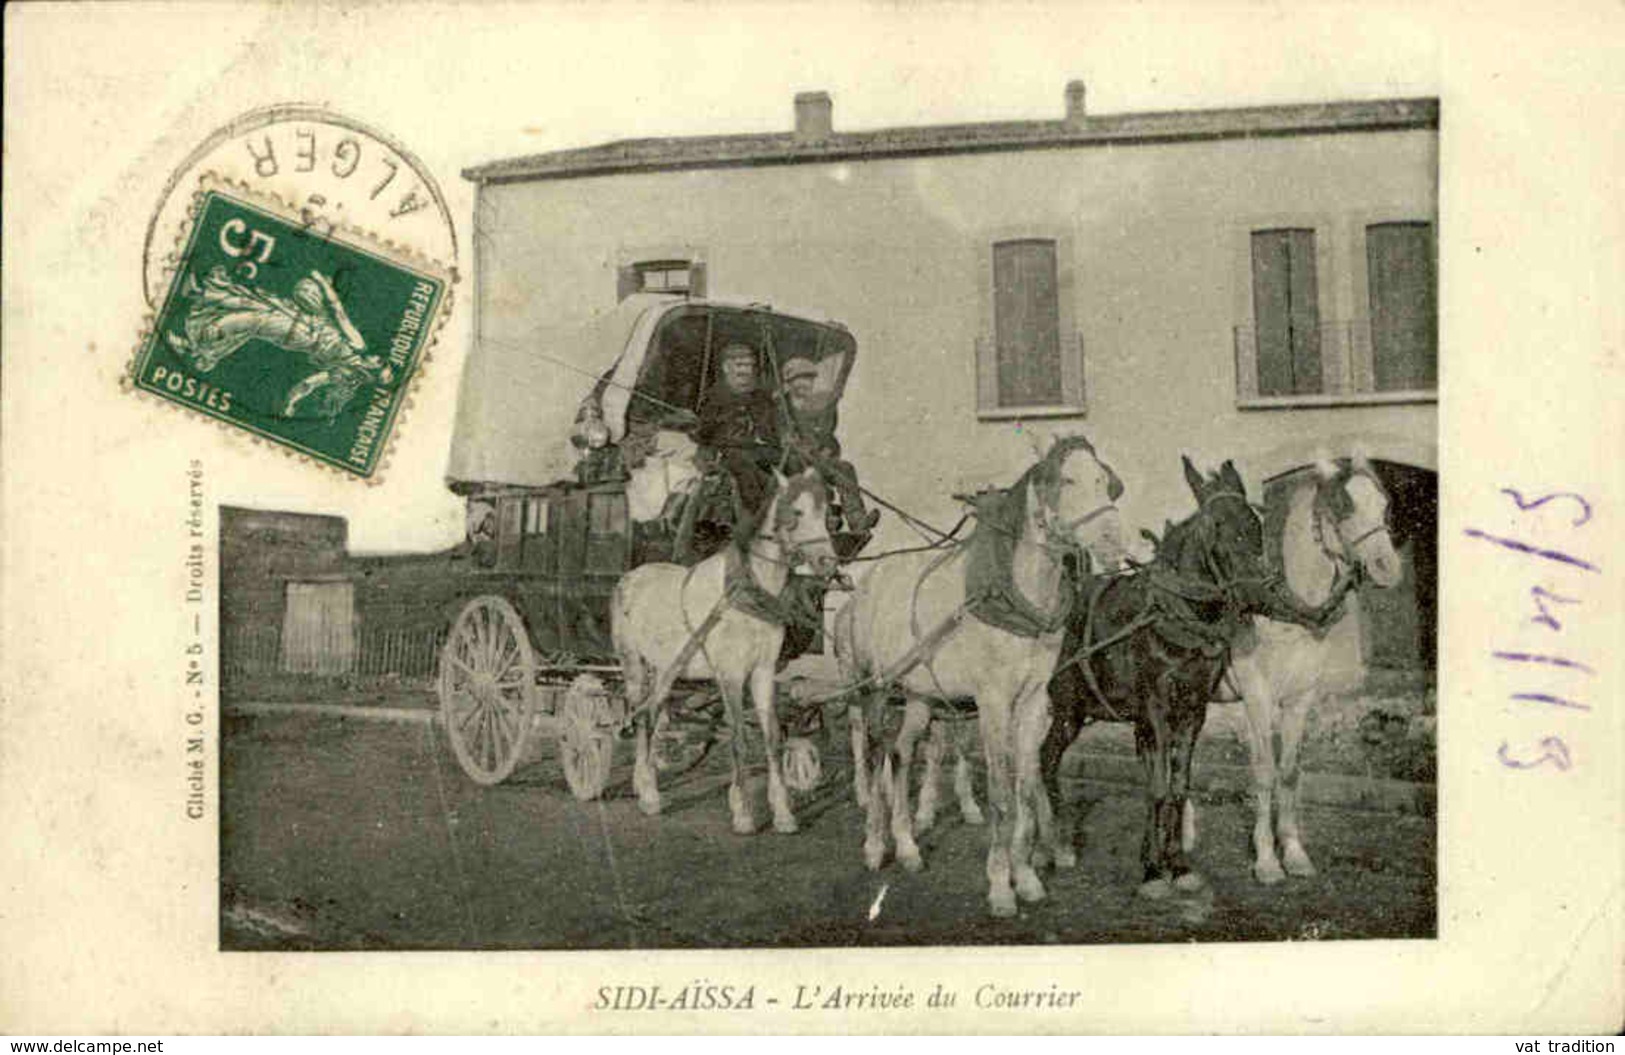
{"x": 351, "y": 237}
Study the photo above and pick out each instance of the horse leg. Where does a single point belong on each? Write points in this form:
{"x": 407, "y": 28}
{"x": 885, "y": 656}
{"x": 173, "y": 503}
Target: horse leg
{"x": 936, "y": 744}
{"x": 733, "y": 698}
{"x": 640, "y": 680}
{"x": 1151, "y": 742}
{"x": 858, "y": 731}
{"x": 1294, "y": 713}
{"x": 994, "y": 720}
{"x": 874, "y": 835}
{"x": 964, "y": 790}
{"x": 643, "y": 770}
{"x": 916, "y": 716}
{"x": 1183, "y": 747}
{"x": 1062, "y": 731}
{"x": 1032, "y": 722}
{"x": 1259, "y": 699}
{"x": 767, "y": 717}
{"x": 1187, "y": 826}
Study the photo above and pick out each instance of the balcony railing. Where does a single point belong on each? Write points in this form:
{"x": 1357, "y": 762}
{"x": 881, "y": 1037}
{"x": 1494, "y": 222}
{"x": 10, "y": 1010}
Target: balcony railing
{"x": 1347, "y": 372}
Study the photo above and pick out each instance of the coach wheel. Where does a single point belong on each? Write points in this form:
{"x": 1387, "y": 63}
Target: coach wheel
{"x": 586, "y": 747}
{"x": 487, "y": 673}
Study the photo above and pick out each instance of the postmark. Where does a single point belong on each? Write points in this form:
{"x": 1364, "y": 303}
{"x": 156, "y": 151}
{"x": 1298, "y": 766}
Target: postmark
{"x": 334, "y": 168}
{"x": 295, "y": 329}
{"x": 337, "y": 187}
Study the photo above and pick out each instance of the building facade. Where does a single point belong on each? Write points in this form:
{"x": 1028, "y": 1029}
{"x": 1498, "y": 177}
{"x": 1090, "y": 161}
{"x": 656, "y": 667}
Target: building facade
{"x": 1256, "y": 284}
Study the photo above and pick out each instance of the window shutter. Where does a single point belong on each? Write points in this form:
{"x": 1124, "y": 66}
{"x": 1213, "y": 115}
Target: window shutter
{"x": 1026, "y": 323}
{"x": 987, "y": 373}
{"x": 626, "y": 282}
{"x": 1404, "y": 306}
{"x": 1072, "y": 392}
{"x": 1286, "y": 312}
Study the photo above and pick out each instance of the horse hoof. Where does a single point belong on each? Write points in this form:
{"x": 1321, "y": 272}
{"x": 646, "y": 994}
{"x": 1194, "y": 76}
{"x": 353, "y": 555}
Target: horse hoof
{"x": 1189, "y": 883}
{"x": 923, "y": 821}
{"x": 1065, "y": 857}
{"x": 650, "y": 807}
{"x": 874, "y": 856}
{"x": 973, "y": 816}
{"x": 1155, "y": 889}
{"x": 744, "y": 825}
{"x": 910, "y": 861}
{"x": 1002, "y": 905}
{"x": 1298, "y": 864}
{"x": 785, "y": 825}
{"x": 1268, "y": 872}
{"x": 1029, "y": 887}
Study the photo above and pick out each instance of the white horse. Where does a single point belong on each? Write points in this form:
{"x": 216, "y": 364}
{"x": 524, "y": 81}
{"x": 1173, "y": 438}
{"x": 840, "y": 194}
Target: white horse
{"x": 911, "y": 625}
{"x": 1335, "y": 534}
{"x": 717, "y": 621}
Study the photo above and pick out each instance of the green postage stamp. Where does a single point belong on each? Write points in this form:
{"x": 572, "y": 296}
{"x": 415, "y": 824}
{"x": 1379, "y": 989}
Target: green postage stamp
{"x": 284, "y": 324}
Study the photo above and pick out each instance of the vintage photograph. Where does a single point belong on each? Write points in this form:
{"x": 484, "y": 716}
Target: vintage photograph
{"x": 1006, "y": 533}
{"x": 662, "y": 518}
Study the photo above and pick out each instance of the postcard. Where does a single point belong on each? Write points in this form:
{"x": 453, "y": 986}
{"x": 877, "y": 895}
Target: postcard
{"x": 754, "y": 518}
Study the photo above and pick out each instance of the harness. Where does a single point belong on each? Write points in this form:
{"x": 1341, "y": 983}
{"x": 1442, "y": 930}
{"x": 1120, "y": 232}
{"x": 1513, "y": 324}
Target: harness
{"x": 740, "y": 592}
{"x": 1167, "y": 611}
{"x": 1347, "y": 573}
{"x": 995, "y": 601}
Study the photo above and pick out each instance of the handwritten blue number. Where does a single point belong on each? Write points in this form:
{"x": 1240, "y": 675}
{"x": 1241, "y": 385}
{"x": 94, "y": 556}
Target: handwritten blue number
{"x": 1557, "y": 752}
{"x": 1541, "y": 596}
{"x": 1526, "y": 506}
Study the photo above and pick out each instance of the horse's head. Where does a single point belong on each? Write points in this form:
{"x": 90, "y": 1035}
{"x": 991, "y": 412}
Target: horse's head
{"x": 1072, "y": 498}
{"x": 1353, "y": 501}
{"x": 1229, "y": 534}
{"x": 795, "y": 520}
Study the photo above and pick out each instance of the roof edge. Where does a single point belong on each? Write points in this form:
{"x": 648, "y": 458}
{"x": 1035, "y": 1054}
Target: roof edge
{"x": 788, "y": 148}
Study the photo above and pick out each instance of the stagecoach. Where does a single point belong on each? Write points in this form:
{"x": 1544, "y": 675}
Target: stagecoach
{"x": 574, "y": 452}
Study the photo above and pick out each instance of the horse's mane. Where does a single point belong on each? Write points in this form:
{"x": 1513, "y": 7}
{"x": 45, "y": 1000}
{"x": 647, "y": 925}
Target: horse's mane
{"x": 1331, "y": 493}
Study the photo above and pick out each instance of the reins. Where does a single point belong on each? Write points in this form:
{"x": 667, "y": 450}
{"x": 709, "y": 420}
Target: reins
{"x": 1172, "y": 583}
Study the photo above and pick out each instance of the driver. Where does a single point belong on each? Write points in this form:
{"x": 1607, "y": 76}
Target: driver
{"x": 738, "y": 421}
{"x": 814, "y": 423}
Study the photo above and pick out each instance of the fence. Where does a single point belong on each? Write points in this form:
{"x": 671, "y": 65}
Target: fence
{"x": 408, "y": 652}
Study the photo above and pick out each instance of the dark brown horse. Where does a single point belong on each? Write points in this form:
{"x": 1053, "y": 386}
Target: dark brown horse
{"x": 1149, "y": 647}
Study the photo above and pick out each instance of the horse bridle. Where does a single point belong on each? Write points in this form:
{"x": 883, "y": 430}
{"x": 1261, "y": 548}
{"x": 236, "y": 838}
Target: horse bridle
{"x": 1227, "y": 585}
{"x": 1345, "y": 559}
{"x": 1062, "y": 536}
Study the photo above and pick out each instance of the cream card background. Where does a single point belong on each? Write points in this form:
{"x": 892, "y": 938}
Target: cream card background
{"x": 107, "y": 894}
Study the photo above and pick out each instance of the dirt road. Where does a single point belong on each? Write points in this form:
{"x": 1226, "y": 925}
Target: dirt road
{"x": 350, "y": 834}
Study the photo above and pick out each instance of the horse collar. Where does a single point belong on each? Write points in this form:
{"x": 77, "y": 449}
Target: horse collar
{"x": 744, "y": 593}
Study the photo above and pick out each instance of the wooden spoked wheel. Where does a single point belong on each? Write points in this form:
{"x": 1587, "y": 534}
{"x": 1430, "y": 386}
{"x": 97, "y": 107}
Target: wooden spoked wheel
{"x": 586, "y": 747}
{"x": 801, "y": 764}
{"x": 487, "y": 674}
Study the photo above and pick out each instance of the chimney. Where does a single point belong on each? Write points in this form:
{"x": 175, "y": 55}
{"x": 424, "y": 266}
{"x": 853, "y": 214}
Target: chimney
{"x": 814, "y": 116}
{"x": 1076, "y": 115}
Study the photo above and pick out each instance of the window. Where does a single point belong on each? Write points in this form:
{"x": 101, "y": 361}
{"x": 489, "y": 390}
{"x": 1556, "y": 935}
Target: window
{"x": 535, "y": 516}
{"x": 1404, "y": 306}
{"x": 1291, "y": 270}
{"x": 1029, "y": 361}
{"x": 1286, "y": 312}
{"x": 608, "y": 534}
{"x": 661, "y": 276}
